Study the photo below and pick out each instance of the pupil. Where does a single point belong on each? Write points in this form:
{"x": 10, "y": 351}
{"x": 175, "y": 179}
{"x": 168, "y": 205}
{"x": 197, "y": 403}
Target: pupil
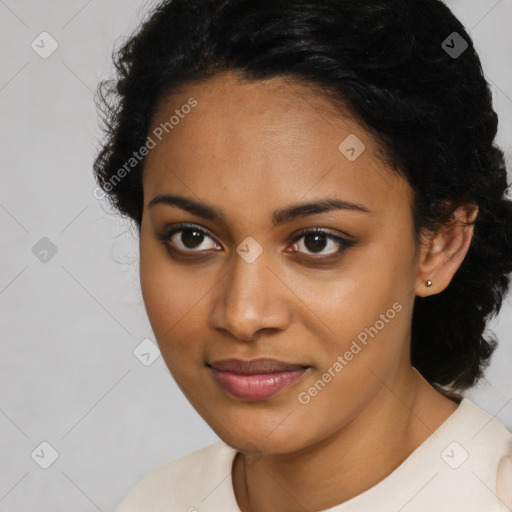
{"x": 318, "y": 241}
{"x": 191, "y": 241}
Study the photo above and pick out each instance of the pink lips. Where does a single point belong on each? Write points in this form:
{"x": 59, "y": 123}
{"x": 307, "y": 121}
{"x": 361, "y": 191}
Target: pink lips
{"x": 256, "y": 379}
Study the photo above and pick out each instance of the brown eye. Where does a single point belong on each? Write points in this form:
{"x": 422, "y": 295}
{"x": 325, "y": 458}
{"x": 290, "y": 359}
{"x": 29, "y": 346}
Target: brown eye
{"x": 188, "y": 239}
{"x": 316, "y": 241}
{"x": 191, "y": 238}
{"x": 193, "y": 241}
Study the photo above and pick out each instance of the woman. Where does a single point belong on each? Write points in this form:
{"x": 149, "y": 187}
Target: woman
{"x": 324, "y": 232}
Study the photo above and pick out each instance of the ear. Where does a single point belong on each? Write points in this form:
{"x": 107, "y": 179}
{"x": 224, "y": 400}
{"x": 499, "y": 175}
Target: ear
{"x": 442, "y": 254}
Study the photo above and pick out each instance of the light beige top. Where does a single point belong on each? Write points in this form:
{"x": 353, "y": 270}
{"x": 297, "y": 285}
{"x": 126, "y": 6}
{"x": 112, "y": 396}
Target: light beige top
{"x": 464, "y": 466}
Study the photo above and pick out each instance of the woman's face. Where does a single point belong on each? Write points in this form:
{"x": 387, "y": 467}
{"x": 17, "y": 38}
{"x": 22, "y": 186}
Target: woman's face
{"x": 252, "y": 286}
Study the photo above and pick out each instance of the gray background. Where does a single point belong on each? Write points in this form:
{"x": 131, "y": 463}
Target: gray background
{"x": 70, "y": 325}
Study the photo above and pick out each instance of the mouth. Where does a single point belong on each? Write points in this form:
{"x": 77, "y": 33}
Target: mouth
{"x": 256, "y": 379}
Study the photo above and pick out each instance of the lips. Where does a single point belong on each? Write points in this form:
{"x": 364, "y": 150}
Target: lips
{"x": 256, "y": 379}
{"x": 255, "y": 366}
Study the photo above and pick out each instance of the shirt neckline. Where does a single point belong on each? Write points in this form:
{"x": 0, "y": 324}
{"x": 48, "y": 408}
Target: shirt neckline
{"x": 369, "y": 493}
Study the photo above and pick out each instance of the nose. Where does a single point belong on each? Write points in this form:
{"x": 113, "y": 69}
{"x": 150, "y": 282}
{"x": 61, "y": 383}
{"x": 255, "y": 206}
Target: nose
{"x": 251, "y": 300}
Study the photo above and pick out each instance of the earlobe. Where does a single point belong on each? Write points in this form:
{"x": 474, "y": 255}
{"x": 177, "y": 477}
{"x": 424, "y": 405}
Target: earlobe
{"x": 441, "y": 255}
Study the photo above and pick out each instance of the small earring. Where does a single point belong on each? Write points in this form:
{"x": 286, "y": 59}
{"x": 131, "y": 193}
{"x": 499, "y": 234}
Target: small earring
{"x": 428, "y": 283}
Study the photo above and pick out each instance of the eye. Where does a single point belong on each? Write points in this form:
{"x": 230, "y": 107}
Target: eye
{"x": 191, "y": 239}
{"x": 317, "y": 240}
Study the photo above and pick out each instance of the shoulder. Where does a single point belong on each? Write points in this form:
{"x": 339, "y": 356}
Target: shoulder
{"x": 482, "y": 450}
{"x": 484, "y": 433}
{"x": 183, "y": 483}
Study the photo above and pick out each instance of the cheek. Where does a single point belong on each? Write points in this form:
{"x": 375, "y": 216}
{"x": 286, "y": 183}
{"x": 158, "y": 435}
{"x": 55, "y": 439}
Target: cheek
{"x": 347, "y": 301}
{"x": 176, "y": 302}
{"x": 159, "y": 291}
{"x": 363, "y": 314}
{"x": 168, "y": 296}
{"x": 370, "y": 330}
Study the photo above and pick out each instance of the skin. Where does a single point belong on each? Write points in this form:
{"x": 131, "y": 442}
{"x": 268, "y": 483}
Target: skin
{"x": 248, "y": 149}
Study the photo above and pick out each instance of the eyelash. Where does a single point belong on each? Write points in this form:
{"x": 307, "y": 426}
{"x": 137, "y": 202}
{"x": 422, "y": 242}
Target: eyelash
{"x": 343, "y": 243}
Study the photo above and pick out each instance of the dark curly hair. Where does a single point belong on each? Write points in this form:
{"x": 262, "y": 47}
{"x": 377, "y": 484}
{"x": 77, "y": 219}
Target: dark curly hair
{"x": 387, "y": 62}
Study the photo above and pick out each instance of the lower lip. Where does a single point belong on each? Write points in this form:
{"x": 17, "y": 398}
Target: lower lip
{"x": 257, "y": 387}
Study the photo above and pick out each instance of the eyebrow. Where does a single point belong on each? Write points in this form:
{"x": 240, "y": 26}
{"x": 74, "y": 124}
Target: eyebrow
{"x": 281, "y": 216}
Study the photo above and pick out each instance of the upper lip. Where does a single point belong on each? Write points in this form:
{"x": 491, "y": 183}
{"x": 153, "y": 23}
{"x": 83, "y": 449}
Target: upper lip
{"x": 255, "y": 366}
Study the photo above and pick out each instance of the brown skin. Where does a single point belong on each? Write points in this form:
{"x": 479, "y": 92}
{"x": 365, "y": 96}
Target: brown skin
{"x": 249, "y": 149}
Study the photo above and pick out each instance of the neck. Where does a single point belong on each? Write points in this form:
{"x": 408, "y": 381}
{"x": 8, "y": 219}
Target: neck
{"x": 352, "y": 460}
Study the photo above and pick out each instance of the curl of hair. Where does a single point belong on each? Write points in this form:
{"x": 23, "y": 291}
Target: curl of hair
{"x": 383, "y": 60}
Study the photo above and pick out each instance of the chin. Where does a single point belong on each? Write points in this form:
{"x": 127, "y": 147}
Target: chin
{"x": 255, "y": 440}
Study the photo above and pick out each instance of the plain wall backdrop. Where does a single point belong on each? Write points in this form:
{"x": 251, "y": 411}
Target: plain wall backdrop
{"x": 71, "y": 310}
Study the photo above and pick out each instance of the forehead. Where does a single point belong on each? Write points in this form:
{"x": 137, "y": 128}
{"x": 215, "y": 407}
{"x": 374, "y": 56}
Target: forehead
{"x": 277, "y": 140}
